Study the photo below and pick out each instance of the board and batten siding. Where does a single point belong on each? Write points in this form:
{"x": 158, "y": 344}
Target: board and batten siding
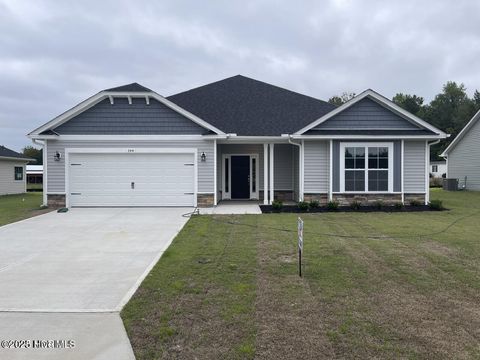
{"x": 464, "y": 159}
{"x": 123, "y": 118}
{"x": 415, "y": 167}
{"x": 56, "y": 169}
{"x": 316, "y": 166}
{"x": 8, "y": 184}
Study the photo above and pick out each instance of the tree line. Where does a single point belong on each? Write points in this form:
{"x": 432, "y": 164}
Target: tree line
{"x": 449, "y": 110}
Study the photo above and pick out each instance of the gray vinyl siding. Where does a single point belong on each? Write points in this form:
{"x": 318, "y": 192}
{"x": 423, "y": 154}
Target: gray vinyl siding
{"x": 8, "y": 184}
{"x": 397, "y": 165}
{"x": 296, "y": 172}
{"x": 414, "y": 157}
{"x": 283, "y": 167}
{"x": 316, "y": 166}
{"x": 367, "y": 114}
{"x": 135, "y": 119}
{"x": 464, "y": 158}
{"x": 56, "y": 169}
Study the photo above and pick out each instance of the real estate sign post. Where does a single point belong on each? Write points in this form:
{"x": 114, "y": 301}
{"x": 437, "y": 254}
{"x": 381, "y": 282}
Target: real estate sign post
{"x": 300, "y": 245}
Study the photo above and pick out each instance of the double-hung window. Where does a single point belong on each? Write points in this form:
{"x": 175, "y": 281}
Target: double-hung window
{"x": 366, "y": 167}
{"x": 18, "y": 173}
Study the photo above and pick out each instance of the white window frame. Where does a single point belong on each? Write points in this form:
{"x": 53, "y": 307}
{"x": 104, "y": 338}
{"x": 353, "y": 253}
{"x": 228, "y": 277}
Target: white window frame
{"x": 366, "y": 145}
{"x": 254, "y": 195}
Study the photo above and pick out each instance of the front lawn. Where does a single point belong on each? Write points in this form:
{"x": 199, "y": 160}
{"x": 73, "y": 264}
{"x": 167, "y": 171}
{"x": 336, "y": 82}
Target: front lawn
{"x": 381, "y": 285}
{"x": 21, "y": 206}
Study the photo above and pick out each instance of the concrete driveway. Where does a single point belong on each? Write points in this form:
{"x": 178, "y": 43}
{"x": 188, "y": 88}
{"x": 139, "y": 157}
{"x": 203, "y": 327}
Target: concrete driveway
{"x": 69, "y": 274}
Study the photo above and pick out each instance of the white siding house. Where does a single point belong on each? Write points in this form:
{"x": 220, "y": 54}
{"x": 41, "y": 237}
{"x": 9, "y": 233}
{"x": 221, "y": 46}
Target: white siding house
{"x": 12, "y": 172}
{"x": 463, "y": 155}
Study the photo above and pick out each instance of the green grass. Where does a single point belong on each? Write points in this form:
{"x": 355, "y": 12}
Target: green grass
{"x": 376, "y": 285}
{"x": 17, "y": 207}
{"x": 36, "y": 187}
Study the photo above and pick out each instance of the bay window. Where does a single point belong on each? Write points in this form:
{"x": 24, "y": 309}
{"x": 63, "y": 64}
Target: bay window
{"x": 366, "y": 167}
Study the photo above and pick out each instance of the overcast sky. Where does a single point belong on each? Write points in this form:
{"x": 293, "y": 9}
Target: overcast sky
{"x": 54, "y": 54}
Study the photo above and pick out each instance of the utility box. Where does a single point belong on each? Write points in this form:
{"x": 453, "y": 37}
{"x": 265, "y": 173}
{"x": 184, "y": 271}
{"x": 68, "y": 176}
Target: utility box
{"x": 450, "y": 184}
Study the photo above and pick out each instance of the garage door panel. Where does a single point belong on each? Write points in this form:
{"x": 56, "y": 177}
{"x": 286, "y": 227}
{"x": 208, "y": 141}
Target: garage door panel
{"x": 106, "y": 179}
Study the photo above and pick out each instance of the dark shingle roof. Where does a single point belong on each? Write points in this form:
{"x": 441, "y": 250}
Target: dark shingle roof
{"x": 250, "y": 107}
{"x": 133, "y": 87}
{"x": 5, "y": 152}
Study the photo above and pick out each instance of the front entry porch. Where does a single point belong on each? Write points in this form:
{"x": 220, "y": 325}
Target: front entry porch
{"x": 261, "y": 171}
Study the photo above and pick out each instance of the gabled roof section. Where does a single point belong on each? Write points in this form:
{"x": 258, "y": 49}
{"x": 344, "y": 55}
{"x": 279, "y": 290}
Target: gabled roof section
{"x": 370, "y": 95}
{"x": 129, "y": 88}
{"x": 6, "y": 153}
{"x": 249, "y": 107}
{"x": 128, "y": 91}
{"x": 461, "y": 134}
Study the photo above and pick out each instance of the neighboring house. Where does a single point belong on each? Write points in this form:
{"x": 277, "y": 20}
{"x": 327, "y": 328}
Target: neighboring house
{"x": 34, "y": 177}
{"x": 463, "y": 155}
{"x": 12, "y": 171}
{"x": 438, "y": 169}
{"x": 237, "y": 138}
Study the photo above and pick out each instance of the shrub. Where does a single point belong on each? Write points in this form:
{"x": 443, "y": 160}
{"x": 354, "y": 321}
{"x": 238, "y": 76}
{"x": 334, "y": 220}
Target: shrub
{"x": 436, "y": 205}
{"x": 378, "y": 204}
{"x": 415, "y": 203}
{"x": 332, "y": 205}
{"x": 303, "y": 205}
{"x": 398, "y": 205}
{"x": 356, "y": 205}
{"x": 277, "y": 205}
{"x": 314, "y": 204}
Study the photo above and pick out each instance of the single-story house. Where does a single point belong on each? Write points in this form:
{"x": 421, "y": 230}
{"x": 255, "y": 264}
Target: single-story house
{"x": 463, "y": 155}
{"x": 237, "y": 138}
{"x": 438, "y": 168}
{"x": 12, "y": 171}
{"x": 34, "y": 177}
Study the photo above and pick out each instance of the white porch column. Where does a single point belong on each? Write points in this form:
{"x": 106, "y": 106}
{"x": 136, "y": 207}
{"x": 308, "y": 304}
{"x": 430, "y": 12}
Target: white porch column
{"x": 330, "y": 172}
{"x": 271, "y": 174}
{"x": 215, "y": 177}
{"x": 265, "y": 174}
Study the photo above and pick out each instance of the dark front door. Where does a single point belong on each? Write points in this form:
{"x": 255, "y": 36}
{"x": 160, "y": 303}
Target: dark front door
{"x": 240, "y": 177}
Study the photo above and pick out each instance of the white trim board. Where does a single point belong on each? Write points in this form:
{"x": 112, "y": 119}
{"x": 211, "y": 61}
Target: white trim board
{"x": 381, "y": 101}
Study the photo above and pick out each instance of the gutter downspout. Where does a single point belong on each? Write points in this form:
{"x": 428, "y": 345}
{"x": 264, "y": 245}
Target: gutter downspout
{"x": 43, "y": 144}
{"x": 427, "y": 170}
{"x": 300, "y": 167}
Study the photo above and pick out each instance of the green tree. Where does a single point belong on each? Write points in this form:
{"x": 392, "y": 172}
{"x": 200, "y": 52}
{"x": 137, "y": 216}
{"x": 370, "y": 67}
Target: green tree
{"x": 412, "y": 103}
{"x": 33, "y": 153}
{"x": 342, "y": 99}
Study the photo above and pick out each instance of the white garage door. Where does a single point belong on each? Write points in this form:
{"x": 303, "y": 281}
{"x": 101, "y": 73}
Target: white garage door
{"x": 131, "y": 179}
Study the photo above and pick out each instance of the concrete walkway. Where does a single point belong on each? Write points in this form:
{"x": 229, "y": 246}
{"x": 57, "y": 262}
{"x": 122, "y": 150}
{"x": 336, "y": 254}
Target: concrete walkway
{"x": 67, "y": 276}
{"x": 232, "y": 207}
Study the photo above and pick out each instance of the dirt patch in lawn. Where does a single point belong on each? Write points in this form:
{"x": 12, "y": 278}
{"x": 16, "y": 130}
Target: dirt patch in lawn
{"x": 290, "y": 321}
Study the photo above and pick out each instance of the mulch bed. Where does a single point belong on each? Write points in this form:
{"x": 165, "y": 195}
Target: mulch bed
{"x": 268, "y": 209}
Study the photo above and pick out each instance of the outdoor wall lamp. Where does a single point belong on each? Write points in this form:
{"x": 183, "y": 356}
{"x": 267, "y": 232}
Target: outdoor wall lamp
{"x": 203, "y": 157}
{"x": 57, "y": 156}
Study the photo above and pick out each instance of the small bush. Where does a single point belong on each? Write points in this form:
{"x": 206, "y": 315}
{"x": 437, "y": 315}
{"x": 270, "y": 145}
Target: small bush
{"x": 415, "y": 203}
{"x": 277, "y": 205}
{"x": 378, "y": 204}
{"x": 436, "y": 205}
{"x": 303, "y": 205}
{"x": 314, "y": 204}
{"x": 398, "y": 205}
{"x": 332, "y": 205}
{"x": 356, "y": 205}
